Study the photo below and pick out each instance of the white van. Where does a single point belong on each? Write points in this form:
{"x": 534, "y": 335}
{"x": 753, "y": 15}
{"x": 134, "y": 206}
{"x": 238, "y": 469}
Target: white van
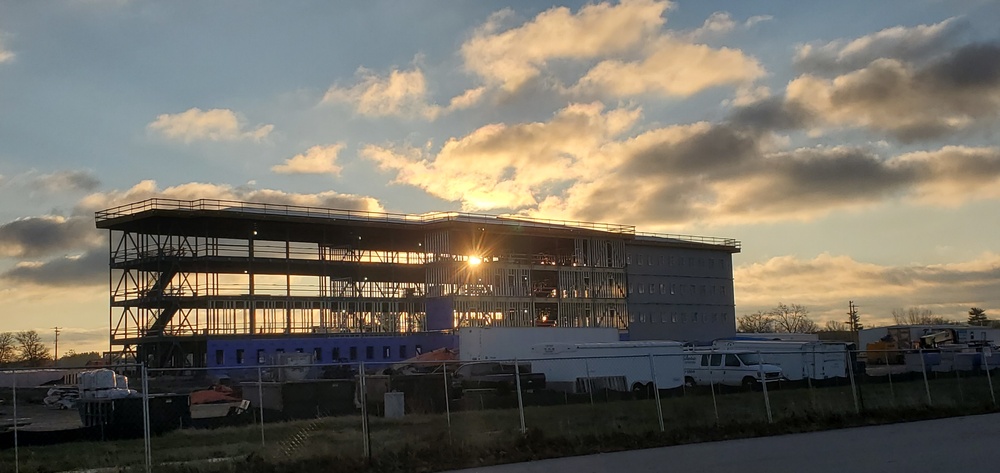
{"x": 798, "y": 360}
{"x": 727, "y": 367}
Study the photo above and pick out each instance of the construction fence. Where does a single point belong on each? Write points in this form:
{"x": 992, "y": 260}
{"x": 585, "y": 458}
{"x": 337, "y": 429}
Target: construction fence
{"x": 149, "y": 419}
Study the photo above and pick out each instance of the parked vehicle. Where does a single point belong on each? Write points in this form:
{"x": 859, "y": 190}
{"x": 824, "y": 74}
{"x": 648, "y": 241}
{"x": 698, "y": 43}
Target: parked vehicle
{"x": 798, "y": 360}
{"x": 618, "y": 366}
{"x": 509, "y": 343}
{"x": 493, "y": 375}
{"x": 727, "y": 367}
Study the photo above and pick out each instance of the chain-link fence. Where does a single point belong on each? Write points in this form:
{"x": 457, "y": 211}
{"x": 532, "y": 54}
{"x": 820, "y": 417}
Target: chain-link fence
{"x": 452, "y": 413}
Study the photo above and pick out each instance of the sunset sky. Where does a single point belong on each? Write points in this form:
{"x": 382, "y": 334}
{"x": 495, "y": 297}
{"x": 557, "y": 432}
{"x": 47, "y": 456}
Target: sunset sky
{"x": 851, "y": 146}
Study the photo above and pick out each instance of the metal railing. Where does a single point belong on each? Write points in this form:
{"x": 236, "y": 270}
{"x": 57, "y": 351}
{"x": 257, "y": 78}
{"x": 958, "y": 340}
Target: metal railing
{"x": 268, "y": 209}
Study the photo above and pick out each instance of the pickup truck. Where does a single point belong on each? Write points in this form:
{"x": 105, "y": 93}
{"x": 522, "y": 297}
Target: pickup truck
{"x": 493, "y": 375}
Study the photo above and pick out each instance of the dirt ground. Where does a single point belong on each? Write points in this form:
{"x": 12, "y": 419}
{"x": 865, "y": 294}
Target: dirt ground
{"x": 39, "y": 417}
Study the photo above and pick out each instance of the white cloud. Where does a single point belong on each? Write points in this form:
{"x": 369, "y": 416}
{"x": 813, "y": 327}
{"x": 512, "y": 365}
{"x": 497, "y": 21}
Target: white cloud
{"x": 501, "y": 166}
{"x": 633, "y": 54}
{"x": 899, "y": 42}
{"x": 401, "y": 93}
{"x": 5, "y": 54}
{"x": 671, "y": 68}
{"x": 717, "y": 23}
{"x": 316, "y": 160}
{"x": 212, "y": 125}
{"x": 512, "y": 57}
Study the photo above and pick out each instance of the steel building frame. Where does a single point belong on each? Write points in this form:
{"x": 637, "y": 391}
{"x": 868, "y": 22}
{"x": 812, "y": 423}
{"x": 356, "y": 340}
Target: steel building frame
{"x": 182, "y": 272}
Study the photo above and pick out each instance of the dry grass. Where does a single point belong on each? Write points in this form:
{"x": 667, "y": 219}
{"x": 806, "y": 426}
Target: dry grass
{"x": 437, "y": 441}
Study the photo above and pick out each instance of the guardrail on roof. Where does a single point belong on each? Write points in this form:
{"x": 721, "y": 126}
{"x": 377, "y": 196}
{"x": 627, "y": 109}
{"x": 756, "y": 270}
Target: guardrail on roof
{"x": 262, "y": 208}
{"x": 727, "y": 242}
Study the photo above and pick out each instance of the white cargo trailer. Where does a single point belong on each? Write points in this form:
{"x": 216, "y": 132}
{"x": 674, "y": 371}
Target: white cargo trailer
{"x": 508, "y": 343}
{"x": 619, "y": 366}
{"x": 798, "y": 360}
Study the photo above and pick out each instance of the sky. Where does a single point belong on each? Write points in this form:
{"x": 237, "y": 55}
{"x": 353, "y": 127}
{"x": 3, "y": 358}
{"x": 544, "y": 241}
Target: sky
{"x": 851, "y": 146}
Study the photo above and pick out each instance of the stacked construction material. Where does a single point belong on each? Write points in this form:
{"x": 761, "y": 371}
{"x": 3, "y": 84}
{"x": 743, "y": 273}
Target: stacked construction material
{"x": 62, "y": 397}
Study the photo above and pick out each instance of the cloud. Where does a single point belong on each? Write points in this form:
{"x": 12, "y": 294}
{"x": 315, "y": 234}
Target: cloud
{"x": 507, "y": 166}
{"x": 721, "y": 22}
{"x": 905, "y": 44}
{"x": 949, "y": 289}
{"x": 87, "y": 269}
{"x": 671, "y": 68}
{"x": 68, "y": 180}
{"x": 212, "y": 125}
{"x": 402, "y": 93}
{"x": 5, "y": 54}
{"x": 316, "y": 160}
{"x": 148, "y": 189}
{"x": 957, "y": 91}
{"x": 633, "y": 54}
{"x": 512, "y": 57}
{"x": 38, "y": 236}
{"x": 585, "y": 164}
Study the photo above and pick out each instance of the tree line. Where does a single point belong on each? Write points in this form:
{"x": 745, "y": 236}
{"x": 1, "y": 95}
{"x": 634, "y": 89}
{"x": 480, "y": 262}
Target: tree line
{"x": 24, "y": 349}
{"x": 794, "y": 318}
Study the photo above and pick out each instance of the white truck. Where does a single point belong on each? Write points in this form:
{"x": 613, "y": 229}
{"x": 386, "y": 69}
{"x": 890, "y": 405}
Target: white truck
{"x": 703, "y": 367}
{"x": 798, "y": 360}
{"x": 639, "y": 366}
{"x": 508, "y": 343}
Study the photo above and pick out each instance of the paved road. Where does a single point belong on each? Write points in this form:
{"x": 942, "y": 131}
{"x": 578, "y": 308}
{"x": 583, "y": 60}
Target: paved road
{"x": 944, "y": 445}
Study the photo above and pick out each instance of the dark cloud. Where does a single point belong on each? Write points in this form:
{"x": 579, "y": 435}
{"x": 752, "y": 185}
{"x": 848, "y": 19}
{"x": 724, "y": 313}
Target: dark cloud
{"x": 721, "y": 149}
{"x": 38, "y": 236}
{"x": 956, "y": 92}
{"x": 772, "y": 113}
{"x": 88, "y": 269}
{"x": 68, "y": 181}
{"x": 972, "y": 66}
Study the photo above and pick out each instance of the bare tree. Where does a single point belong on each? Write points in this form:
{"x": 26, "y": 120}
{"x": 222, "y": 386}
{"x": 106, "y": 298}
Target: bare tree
{"x": 978, "y": 317}
{"x": 918, "y": 316}
{"x": 7, "y": 348}
{"x": 792, "y": 319}
{"x": 757, "y": 322}
{"x": 835, "y": 326}
{"x": 33, "y": 351}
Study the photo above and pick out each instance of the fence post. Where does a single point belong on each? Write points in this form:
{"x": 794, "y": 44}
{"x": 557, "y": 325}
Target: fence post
{"x": 13, "y": 381}
{"x": 986, "y": 364}
{"x": 447, "y": 395}
{"x": 927, "y": 386}
{"x": 656, "y": 392}
{"x": 260, "y": 405}
{"x": 147, "y": 436}
{"x": 763, "y": 384}
{"x": 590, "y": 383}
{"x": 520, "y": 402}
{"x": 854, "y": 389}
{"x": 888, "y": 370}
{"x": 711, "y": 384}
{"x": 365, "y": 428}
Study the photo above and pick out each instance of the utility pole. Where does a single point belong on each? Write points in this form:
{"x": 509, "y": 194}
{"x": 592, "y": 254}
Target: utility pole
{"x": 854, "y": 321}
{"x": 55, "y": 358}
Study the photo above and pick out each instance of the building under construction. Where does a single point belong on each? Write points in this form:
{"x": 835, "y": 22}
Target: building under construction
{"x": 224, "y": 283}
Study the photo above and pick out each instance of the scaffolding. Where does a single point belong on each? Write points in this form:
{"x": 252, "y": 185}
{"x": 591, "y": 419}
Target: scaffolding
{"x": 182, "y": 272}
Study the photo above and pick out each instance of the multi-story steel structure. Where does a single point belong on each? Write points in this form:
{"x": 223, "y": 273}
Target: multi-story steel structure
{"x": 222, "y": 283}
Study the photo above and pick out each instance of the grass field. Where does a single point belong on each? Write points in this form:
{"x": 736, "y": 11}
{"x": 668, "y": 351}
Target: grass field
{"x": 427, "y": 442}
